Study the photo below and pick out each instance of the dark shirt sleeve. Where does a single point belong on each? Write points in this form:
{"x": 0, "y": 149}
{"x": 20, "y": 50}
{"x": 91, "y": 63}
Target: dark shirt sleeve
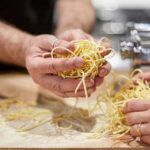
{"x": 33, "y": 16}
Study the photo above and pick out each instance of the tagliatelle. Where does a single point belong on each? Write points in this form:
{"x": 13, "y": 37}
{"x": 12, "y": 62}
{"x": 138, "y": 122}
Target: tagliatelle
{"x": 113, "y": 113}
{"x": 14, "y": 110}
{"x": 91, "y": 53}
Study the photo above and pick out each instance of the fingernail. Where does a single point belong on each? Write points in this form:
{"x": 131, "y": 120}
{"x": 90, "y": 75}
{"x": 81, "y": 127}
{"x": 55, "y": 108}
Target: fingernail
{"x": 103, "y": 72}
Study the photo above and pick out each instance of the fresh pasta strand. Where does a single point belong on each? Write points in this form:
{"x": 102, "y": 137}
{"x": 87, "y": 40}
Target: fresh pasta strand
{"x": 91, "y": 53}
{"x": 114, "y": 115}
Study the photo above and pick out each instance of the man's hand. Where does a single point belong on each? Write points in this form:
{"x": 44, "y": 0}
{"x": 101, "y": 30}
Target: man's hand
{"x": 28, "y": 51}
{"x": 145, "y": 76}
{"x": 77, "y": 34}
{"x": 138, "y": 114}
{"x": 44, "y": 70}
{"x": 138, "y": 117}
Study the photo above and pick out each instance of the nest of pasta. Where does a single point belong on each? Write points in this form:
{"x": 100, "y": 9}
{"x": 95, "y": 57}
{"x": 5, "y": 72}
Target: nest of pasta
{"x": 113, "y": 112}
{"x": 91, "y": 53}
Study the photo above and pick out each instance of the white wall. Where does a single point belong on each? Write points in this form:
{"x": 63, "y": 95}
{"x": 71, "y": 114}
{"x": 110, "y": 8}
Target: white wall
{"x": 112, "y": 4}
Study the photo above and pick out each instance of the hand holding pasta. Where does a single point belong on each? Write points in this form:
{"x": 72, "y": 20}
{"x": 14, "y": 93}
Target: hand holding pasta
{"x": 143, "y": 76}
{"x": 59, "y": 65}
{"x": 138, "y": 113}
{"x": 133, "y": 118}
{"x": 93, "y": 55}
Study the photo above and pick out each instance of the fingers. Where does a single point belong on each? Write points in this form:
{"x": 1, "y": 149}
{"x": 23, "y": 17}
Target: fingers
{"x": 98, "y": 81}
{"x": 105, "y": 53}
{"x": 145, "y": 76}
{"x": 138, "y": 117}
{"x": 136, "y": 105}
{"x": 107, "y": 49}
{"x": 59, "y": 84}
{"x": 104, "y": 70}
{"x": 48, "y": 42}
{"x": 145, "y": 132}
{"x": 106, "y": 44}
{"x": 146, "y": 139}
{"x": 44, "y": 42}
{"x": 61, "y": 47}
{"x": 55, "y": 65}
{"x": 144, "y": 129}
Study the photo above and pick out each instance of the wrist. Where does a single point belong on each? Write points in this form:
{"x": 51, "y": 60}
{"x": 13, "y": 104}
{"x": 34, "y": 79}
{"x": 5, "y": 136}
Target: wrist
{"x": 26, "y": 47}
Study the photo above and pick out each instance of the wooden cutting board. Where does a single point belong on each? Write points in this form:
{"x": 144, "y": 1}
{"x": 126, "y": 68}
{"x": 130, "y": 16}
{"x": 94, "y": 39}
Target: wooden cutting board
{"x": 21, "y": 87}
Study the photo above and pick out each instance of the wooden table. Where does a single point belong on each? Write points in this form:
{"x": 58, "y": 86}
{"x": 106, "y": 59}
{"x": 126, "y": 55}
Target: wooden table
{"x": 21, "y": 86}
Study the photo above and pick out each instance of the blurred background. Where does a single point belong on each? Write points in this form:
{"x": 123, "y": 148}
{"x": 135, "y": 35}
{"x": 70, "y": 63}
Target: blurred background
{"x": 126, "y": 23}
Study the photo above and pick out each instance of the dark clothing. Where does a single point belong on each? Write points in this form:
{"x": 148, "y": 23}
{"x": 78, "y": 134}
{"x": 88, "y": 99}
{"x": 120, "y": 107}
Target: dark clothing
{"x": 34, "y": 16}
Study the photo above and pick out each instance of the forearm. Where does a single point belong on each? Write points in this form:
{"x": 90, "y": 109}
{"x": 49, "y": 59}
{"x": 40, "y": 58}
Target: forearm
{"x": 11, "y": 45}
{"x": 75, "y": 14}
